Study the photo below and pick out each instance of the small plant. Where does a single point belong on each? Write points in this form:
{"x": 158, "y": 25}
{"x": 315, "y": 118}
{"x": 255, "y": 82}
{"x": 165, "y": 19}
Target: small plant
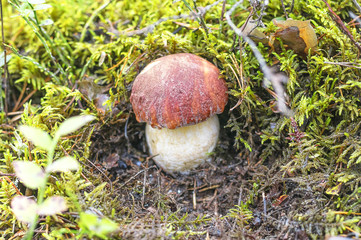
{"x": 241, "y": 215}
{"x": 33, "y": 176}
{"x": 28, "y": 10}
{"x": 91, "y": 225}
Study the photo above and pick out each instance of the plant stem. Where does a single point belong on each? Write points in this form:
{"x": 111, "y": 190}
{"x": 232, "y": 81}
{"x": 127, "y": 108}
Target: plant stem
{"x": 90, "y": 20}
{"x": 41, "y": 190}
{"x": 198, "y": 17}
{"x": 48, "y": 38}
{"x": 4, "y": 105}
{"x": 37, "y": 30}
{"x": 34, "y": 62}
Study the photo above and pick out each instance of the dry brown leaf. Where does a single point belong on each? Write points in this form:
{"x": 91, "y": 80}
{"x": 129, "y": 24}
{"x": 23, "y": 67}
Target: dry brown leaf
{"x": 254, "y": 32}
{"x": 296, "y": 35}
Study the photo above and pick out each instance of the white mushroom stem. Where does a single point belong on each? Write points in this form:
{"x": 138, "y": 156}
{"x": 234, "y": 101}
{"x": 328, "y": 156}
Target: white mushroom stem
{"x": 183, "y": 148}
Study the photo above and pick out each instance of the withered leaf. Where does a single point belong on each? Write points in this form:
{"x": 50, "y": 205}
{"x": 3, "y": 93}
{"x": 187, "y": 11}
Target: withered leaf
{"x": 255, "y": 33}
{"x": 296, "y": 35}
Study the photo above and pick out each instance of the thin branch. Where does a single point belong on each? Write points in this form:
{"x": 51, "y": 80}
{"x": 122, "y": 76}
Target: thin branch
{"x": 90, "y": 20}
{"x": 199, "y": 17}
{"x": 7, "y": 174}
{"x": 355, "y": 18}
{"x": 222, "y": 16}
{"x": 150, "y": 28}
{"x": 275, "y": 79}
{"x": 292, "y": 6}
{"x": 284, "y": 9}
{"x": 6, "y": 73}
{"x": 134, "y": 176}
{"x": 341, "y": 25}
{"x": 43, "y": 36}
{"x": 346, "y": 64}
{"x": 203, "y": 10}
{"x": 34, "y": 62}
{"x": 357, "y": 5}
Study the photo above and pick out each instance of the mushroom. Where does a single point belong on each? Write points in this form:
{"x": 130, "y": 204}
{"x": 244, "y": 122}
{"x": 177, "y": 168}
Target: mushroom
{"x": 178, "y": 96}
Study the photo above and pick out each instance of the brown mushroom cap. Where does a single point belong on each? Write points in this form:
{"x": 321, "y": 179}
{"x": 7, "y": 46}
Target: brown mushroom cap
{"x": 178, "y": 90}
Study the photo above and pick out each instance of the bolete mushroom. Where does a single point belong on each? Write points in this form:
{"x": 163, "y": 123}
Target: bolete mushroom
{"x": 178, "y": 96}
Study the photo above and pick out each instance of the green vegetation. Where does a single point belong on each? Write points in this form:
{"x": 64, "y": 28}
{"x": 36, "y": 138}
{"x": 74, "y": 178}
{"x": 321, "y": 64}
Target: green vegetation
{"x": 34, "y": 177}
{"x": 63, "y": 55}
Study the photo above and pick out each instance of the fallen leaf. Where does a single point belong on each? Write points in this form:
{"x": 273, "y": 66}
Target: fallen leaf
{"x": 111, "y": 161}
{"x": 279, "y": 200}
{"x": 254, "y": 32}
{"x": 99, "y": 102}
{"x": 296, "y": 35}
{"x": 334, "y": 190}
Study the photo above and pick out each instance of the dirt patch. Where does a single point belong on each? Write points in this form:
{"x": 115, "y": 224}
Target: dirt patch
{"x": 202, "y": 202}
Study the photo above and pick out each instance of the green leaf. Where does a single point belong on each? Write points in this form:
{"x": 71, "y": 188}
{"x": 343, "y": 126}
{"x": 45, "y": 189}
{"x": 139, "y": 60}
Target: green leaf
{"x": 72, "y": 124}
{"x": 52, "y": 205}
{"x": 37, "y": 136}
{"x": 87, "y": 220}
{"x": 96, "y": 226}
{"x": 36, "y": 1}
{"x": 24, "y": 208}
{"x": 30, "y": 174}
{"x": 45, "y": 23}
{"x": 42, "y": 7}
{"x": 63, "y": 164}
{"x": 107, "y": 226}
{"x": 25, "y": 11}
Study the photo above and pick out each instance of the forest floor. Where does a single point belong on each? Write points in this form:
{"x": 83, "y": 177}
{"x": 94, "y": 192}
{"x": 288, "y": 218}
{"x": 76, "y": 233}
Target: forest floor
{"x": 288, "y": 161}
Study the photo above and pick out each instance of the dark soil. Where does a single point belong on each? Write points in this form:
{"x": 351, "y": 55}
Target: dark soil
{"x": 279, "y": 202}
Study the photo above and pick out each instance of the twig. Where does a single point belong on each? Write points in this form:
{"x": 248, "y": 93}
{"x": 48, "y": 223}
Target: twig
{"x": 341, "y": 25}
{"x": 212, "y": 199}
{"x": 240, "y": 196}
{"x": 7, "y": 174}
{"x": 198, "y": 16}
{"x": 275, "y": 79}
{"x": 6, "y": 73}
{"x": 16, "y": 107}
{"x": 130, "y": 179}
{"x": 264, "y": 204}
{"x": 35, "y": 63}
{"x": 205, "y": 9}
{"x": 202, "y": 11}
{"x": 355, "y": 18}
{"x": 13, "y": 185}
{"x": 357, "y": 5}
{"x": 259, "y": 16}
{"x": 90, "y": 20}
{"x": 27, "y": 98}
{"x": 222, "y": 16}
{"x": 143, "y": 192}
{"x": 284, "y": 9}
{"x": 292, "y": 6}
{"x": 151, "y": 27}
{"x": 194, "y": 195}
{"x": 346, "y": 64}
{"x": 95, "y": 166}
